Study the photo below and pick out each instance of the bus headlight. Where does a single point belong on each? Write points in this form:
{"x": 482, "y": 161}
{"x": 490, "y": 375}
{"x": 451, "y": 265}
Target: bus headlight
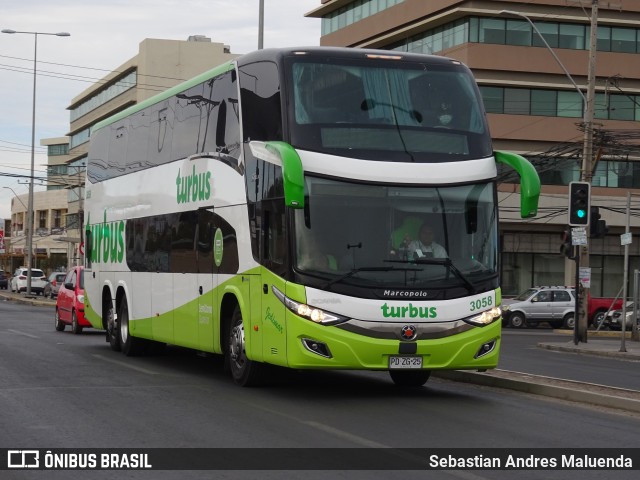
{"x": 485, "y": 318}
{"x": 316, "y": 315}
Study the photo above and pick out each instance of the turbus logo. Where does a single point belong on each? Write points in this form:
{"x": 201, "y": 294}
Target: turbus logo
{"x": 408, "y": 311}
{"x": 107, "y": 241}
{"x": 193, "y": 187}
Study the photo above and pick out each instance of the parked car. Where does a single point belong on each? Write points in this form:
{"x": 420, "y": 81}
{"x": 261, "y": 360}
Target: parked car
{"x": 53, "y": 284}
{"x": 4, "y": 281}
{"x": 70, "y": 302}
{"x": 614, "y": 319}
{"x": 19, "y": 280}
{"x": 555, "y": 305}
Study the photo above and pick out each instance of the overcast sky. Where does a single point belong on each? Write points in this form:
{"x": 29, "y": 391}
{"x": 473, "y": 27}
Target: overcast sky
{"x": 103, "y": 36}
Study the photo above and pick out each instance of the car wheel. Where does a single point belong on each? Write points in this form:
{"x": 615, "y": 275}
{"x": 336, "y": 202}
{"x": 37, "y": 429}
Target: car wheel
{"x": 517, "y": 320}
{"x": 569, "y": 321}
{"x": 244, "y": 372}
{"x": 75, "y": 326}
{"x": 406, "y": 378}
{"x": 598, "y": 320}
{"x": 59, "y": 323}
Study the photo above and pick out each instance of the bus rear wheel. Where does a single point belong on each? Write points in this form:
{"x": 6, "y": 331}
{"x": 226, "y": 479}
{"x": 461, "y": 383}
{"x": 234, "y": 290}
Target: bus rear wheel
{"x": 244, "y": 372}
{"x": 408, "y": 378}
{"x": 131, "y": 346}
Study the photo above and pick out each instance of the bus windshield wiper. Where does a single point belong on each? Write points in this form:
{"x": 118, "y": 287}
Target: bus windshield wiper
{"x": 446, "y": 262}
{"x": 366, "y": 269}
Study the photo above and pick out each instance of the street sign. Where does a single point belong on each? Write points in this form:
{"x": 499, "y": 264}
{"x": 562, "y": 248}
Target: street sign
{"x": 585, "y": 277}
{"x": 626, "y": 239}
{"x": 578, "y": 236}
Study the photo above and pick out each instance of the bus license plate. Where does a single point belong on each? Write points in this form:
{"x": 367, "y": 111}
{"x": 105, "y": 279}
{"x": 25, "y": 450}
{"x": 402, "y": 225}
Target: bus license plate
{"x": 399, "y": 362}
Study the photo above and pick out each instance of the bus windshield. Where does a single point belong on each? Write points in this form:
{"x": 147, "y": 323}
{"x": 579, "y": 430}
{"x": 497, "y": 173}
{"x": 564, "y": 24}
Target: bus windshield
{"x": 370, "y": 236}
{"x": 386, "y": 110}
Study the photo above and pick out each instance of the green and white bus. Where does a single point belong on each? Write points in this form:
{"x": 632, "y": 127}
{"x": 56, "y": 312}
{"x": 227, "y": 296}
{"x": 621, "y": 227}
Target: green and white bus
{"x": 266, "y": 211}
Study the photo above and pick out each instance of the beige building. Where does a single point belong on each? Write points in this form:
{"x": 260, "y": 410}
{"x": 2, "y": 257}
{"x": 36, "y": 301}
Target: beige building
{"x": 533, "y": 108}
{"x": 159, "y": 64}
{"x": 58, "y": 211}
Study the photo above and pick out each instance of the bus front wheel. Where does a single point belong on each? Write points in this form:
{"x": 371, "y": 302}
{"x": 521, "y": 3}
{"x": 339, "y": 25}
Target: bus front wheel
{"x": 244, "y": 372}
{"x": 408, "y": 378}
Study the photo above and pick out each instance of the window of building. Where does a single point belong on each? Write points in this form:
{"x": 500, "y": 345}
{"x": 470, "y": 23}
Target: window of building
{"x": 57, "y": 218}
{"x": 549, "y": 32}
{"x": 518, "y": 32}
{"x": 544, "y": 102}
{"x": 572, "y": 36}
{"x": 493, "y": 98}
{"x": 516, "y": 101}
{"x": 621, "y": 107}
{"x": 570, "y": 104}
{"x": 623, "y": 40}
{"x": 604, "y": 39}
{"x": 56, "y": 150}
{"x": 42, "y": 219}
{"x": 492, "y": 30}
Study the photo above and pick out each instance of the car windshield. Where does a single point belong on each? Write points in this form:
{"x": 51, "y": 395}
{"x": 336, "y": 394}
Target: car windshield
{"x": 526, "y": 294}
{"x": 396, "y": 236}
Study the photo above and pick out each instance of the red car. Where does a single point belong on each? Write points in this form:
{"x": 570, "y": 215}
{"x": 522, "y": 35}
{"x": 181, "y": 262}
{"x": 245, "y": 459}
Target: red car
{"x": 70, "y": 302}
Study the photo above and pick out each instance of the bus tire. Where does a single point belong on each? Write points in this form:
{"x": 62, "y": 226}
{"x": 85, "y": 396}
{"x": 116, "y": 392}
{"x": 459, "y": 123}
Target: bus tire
{"x": 408, "y": 378}
{"x": 244, "y": 372}
{"x": 131, "y": 346}
{"x": 113, "y": 336}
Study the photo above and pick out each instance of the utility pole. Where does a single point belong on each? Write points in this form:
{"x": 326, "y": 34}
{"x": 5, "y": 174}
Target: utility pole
{"x": 586, "y": 172}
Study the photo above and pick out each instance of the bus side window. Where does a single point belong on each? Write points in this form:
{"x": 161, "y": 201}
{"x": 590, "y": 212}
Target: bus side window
{"x": 261, "y": 111}
{"x": 88, "y": 248}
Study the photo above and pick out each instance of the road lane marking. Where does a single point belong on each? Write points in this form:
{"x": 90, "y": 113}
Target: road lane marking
{"x": 126, "y": 364}
{"x": 25, "y": 334}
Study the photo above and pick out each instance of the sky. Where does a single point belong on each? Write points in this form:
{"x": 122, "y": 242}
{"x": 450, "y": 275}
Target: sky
{"x": 103, "y": 36}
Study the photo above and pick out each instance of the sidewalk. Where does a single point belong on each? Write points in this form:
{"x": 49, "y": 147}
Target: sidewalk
{"x": 604, "y": 344}
{"x": 35, "y": 299}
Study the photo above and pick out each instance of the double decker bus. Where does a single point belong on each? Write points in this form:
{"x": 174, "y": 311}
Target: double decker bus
{"x": 309, "y": 208}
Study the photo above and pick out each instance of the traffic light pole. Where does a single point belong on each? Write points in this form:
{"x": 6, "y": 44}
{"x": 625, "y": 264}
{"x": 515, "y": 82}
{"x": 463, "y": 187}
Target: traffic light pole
{"x": 586, "y": 172}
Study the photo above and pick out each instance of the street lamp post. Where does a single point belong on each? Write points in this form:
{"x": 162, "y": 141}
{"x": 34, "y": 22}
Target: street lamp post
{"x": 33, "y": 149}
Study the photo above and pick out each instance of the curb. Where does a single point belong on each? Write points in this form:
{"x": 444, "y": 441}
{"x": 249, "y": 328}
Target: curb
{"x": 598, "y": 395}
{"x": 589, "y": 351}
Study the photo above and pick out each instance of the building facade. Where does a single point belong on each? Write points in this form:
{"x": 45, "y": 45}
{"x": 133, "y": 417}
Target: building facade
{"x": 159, "y": 65}
{"x": 531, "y": 64}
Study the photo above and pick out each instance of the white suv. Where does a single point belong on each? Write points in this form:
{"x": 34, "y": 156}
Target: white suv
{"x": 19, "y": 280}
{"x": 541, "y": 304}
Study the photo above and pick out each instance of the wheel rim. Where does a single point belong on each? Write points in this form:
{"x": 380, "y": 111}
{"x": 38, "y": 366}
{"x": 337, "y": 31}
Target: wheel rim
{"x": 57, "y": 317}
{"x": 236, "y": 347}
{"x": 124, "y": 326}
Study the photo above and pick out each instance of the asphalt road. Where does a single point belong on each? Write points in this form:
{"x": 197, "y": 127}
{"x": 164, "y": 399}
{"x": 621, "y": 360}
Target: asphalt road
{"x": 62, "y": 390}
{"x": 520, "y": 353}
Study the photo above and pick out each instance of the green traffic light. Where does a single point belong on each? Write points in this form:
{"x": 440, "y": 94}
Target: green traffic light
{"x": 581, "y": 213}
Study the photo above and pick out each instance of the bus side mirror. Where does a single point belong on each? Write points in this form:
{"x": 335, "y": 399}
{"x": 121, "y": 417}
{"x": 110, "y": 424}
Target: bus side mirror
{"x": 292, "y": 173}
{"x": 529, "y": 181}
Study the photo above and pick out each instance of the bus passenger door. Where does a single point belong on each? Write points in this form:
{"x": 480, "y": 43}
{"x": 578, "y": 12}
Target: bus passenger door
{"x": 273, "y": 256}
{"x": 206, "y": 268}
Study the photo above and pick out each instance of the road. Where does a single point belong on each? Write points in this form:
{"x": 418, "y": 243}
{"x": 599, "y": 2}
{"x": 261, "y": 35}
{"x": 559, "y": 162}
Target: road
{"x": 60, "y": 390}
{"x": 519, "y": 353}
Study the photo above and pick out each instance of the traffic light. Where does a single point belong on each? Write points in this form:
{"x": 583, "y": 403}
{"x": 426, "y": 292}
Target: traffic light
{"x": 566, "y": 248}
{"x": 579, "y": 202}
{"x": 597, "y": 227}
